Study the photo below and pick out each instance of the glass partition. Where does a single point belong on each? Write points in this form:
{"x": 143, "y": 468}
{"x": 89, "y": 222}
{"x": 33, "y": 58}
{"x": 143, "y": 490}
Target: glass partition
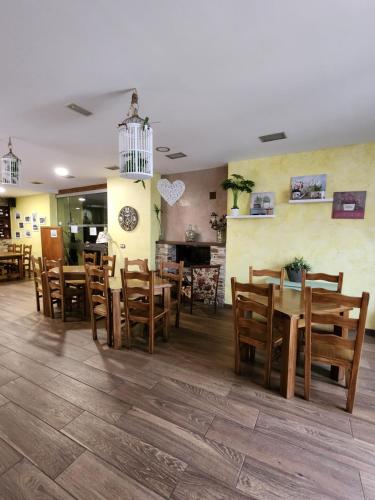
{"x": 82, "y": 217}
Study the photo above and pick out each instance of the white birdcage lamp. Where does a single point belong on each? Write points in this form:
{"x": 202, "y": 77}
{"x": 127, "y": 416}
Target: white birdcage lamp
{"x": 10, "y": 166}
{"x": 135, "y": 145}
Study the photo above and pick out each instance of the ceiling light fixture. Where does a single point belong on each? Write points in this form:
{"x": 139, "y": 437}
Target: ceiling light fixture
{"x": 113, "y": 167}
{"x": 10, "y": 166}
{"x": 163, "y": 149}
{"x": 61, "y": 171}
{"x": 36, "y": 182}
{"x": 135, "y": 144}
{"x": 81, "y": 199}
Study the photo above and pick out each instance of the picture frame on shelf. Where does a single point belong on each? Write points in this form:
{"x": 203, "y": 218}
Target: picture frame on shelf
{"x": 262, "y": 204}
{"x": 308, "y": 187}
{"x": 349, "y": 205}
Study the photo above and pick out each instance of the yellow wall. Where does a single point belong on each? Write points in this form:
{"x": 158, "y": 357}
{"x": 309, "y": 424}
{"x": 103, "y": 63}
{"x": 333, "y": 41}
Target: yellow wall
{"x": 41, "y": 204}
{"x": 330, "y": 245}
{"x": 140, "y": 243}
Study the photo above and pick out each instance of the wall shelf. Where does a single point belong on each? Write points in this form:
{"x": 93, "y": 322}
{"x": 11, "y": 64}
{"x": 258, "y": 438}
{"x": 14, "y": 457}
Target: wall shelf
{"x": 325, "y": 200}
{"x": 250, "y": 216}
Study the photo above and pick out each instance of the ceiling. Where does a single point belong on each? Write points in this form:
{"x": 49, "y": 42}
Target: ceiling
{"x": 215, "y": 73}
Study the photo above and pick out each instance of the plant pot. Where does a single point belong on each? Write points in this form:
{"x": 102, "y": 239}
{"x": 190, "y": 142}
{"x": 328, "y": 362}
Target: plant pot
{"x": 295, "y": 276}
{"x": 235, "y": 212}
{"x": 220, "y": 235}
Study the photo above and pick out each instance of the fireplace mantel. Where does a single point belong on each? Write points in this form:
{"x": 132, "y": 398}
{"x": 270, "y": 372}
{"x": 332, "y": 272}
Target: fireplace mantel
{"x": 192, "y": 243}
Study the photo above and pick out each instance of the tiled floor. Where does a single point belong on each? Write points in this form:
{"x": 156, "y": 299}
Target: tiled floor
{"x": 80, "y": 420}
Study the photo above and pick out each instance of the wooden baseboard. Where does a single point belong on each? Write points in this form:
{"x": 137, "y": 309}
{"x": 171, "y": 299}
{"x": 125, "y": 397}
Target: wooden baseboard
{"x": 370, "y": 331}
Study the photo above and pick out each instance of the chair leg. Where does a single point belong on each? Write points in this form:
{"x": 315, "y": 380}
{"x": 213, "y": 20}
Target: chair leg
{"x": 94, "y": 328}
{"x": 151, "y": 335}
{"x": 237, "y": 358}
{"x": 63, "y": 310}
{"x": 268, "y": 367}
{"x": 165, "y": 328}
{"x": 51, "y": 309}
{"x": 108, "y": 328}
{"x": 177, "y": 320}
{"x": 37, "y": 302}
{"x": 252, "y": 353}
{"x": 351, "y": 391}
{"x": 191, "y": 303}
{"x": 307, "y": 375}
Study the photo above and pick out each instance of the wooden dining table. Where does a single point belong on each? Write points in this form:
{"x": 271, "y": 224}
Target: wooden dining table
{"x": 162, "y": 286}
{"x": 16, "y": 256}
{"x": 289, "y": 312}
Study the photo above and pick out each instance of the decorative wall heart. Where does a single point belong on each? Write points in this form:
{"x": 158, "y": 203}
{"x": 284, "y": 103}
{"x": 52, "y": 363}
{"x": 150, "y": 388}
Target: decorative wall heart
{"x": 171, "y": 191}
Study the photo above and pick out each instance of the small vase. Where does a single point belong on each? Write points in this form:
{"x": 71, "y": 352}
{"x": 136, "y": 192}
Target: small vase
{"x": 220, "y": 235}
{"x": 190, "y": 234}
{"x": 235, "y": 212}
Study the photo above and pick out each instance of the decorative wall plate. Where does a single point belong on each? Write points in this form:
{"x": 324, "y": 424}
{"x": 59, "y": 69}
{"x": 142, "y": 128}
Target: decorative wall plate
{"x": 128, "y": 218}
{"x": 171, "y": 191}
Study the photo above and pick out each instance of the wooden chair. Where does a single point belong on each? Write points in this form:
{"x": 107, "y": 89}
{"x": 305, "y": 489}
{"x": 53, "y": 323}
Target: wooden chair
{"x": 331, "y": 278}
{"x": 253, "y": 322}
{"x": 109, "y": 262}
{"x": 27, "y": 260}
{"x": 204, "y": 282}
{"x": 328, "y": 348}
{"x": 143, "y": 311}
{"x": 57, "y": 292}
{"x": 140, "y": 264}
{"x": 89, "y": 258}
{"x": 13, "y": 265}
{"x": 174, "y": 273}
{"x": 269, "y": 273}
{"x": 37, "y": 269}
{"x": 99, "y": 299}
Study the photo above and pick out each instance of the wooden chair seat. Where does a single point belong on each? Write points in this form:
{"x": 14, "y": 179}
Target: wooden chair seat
{"x": 75, "y": 282}
{"x": 101, "y": 310}
{"x": 260, "y": 336}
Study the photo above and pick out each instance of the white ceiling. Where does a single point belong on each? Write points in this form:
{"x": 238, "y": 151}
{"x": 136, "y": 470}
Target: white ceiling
{"x": 215, "y": 73}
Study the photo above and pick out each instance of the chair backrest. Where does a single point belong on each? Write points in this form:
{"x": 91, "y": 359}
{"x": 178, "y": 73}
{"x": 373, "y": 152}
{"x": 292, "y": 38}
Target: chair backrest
{"x": 109, "y": 261}
{"x": 268, "y": 273}
{"x": 315, "y": 302}
{"x": 205, "y": 281}
{"x": 37, "y": 268}
{"x": 144, "y": 287}
{"x": 27, "y": 252}
{"x": 17, "y": 248}
{"x": 89, "y": 258}
{"x": 140, "y": 264}
{"x": 97, "y": 285}
{"x": 259, "y": 299}
{"x": 172, "y": 271}
{"x": 11, "y": 247}
{"x": 331, "y": 278}
{"x": 55, "y": 275}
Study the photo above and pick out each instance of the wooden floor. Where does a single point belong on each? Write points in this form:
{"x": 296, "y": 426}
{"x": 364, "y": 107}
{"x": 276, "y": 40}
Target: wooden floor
{"x": 79, "y": 420}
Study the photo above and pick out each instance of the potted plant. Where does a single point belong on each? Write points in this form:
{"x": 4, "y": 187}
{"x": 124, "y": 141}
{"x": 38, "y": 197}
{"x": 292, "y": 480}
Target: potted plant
{"x": 237, "y": 184}
{"x": 295, "y": 269}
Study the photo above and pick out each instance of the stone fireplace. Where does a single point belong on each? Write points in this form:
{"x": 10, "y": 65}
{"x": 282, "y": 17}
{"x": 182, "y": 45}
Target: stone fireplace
{"x": 197, "y": 252}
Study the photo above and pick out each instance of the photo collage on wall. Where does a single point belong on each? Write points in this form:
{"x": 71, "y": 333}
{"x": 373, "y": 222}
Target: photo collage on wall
{"x": 29, "y": 224}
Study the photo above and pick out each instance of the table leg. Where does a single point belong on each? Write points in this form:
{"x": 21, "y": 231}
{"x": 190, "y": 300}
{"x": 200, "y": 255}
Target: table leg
{"x": 20, "y": 267}
{"x": 289, "y": 357}
{"x": 116, "y": 322}
{"x": 167, "y": 307}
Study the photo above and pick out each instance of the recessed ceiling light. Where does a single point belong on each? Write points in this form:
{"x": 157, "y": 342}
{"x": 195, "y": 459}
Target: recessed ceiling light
{"x": 36, "y": 182}
{"x": 272, "y": 137}
{"x": 163, "y": 149}
{"x": 81, "y": 199}
{"x": 79, "y": 109}
{"x": 77, "y": 208}
{"x": 174, "y": 156}
{"x": 61, "y": 171}
{"x": 69, "y": 176}
{"x": 2, "y": 190}
{"x": 113, "y": 167}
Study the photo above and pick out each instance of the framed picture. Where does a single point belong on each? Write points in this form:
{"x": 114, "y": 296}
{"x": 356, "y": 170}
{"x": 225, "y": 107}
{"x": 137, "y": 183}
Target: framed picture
{"x": 18, "y": 235}
{"x": 20, "y": 225}
{"x": 262, "y": 204}
{"x": 18, "y": 216}
{"x": 42, "y": 220}
{"x": 35, "y": 227}
{"x": 308, "y": 187}
{"x": 34, "y": 218}
{"x": 349, "y": 205}
{"x": 27, "y": 234}
{"x": 27, "y": 219}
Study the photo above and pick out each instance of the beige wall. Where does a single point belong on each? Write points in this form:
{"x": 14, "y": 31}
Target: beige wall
{"x": 140, "y": 243}
{"x": 195, "y": 207}
{"x": 330, "y": 245}
{"x": 41, "y": 204}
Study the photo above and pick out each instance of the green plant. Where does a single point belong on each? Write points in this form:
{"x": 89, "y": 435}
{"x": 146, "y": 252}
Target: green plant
{"x": 298, "y": 264}
{"x": 158, "y": 211}
{"x": 316, "y": 187}
{"x": 237, "y": 184}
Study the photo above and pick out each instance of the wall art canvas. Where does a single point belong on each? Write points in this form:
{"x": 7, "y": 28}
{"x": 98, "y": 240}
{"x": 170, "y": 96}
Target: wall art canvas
{"x": 35, "y": 227}
{"x": 308, "y": 187}
{"x": 171, "y": 191}
{"x": 18, "y": 216}
{"x": 35, "y": 218}
{"x": 349, "y": 205}
{"x": 262, "y": 204}
{"x": 27, "y": 219}
{"x": 27, "y": 234}
{"x": 18, "y": 235}
{"x": 20, "y": 225}
{"x": 42, "y": 220}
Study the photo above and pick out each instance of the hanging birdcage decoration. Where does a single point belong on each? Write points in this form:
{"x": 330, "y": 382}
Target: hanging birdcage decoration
{"x": 135, "y": 145}
{"x": 10, "y": 166}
